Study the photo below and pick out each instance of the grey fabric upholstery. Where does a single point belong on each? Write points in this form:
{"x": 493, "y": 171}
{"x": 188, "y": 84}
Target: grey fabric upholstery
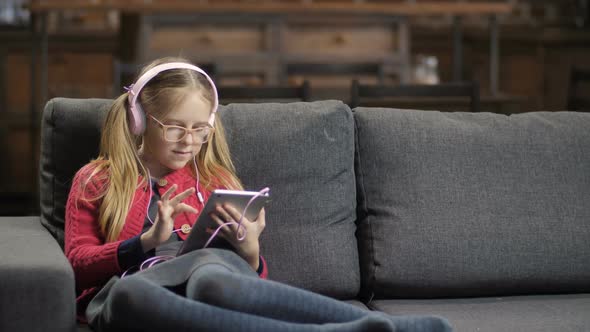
{"x": 357, "y": 303}
{"x": 464, "y": 204}
{"x": 305, "y": 153}
{"x": 70, "y": 136}
{"x": 446, "y": 205}
{"x": 37, "y": 281}
{"x": 537, "y": 313}
{"x": 83, "y": 328}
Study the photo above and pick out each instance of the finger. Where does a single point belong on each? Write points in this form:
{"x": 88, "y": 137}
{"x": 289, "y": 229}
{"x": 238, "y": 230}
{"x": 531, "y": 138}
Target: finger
{"x": 234, "y": 214}
{"x": 223, "y": 214}
{"x": 163, "y": 213}
{"x": 241, "y": 224}
{"x": 261, "y": 220}
{"x": 182, "y": 196}
{"x": 224, "y": 236}
{"x": 220, "y": 223}
{"x": 169, "y": 192}
{"x": 183, "y": 208}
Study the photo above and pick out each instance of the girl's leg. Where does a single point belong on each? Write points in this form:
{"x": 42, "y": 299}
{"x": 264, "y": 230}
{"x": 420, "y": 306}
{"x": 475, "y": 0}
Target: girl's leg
{"x": 218, "y": 286}
{"x": 136, "y": 304}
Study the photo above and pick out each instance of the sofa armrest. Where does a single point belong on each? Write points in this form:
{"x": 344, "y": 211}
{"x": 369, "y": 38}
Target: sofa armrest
{"x": 37, "y": 288}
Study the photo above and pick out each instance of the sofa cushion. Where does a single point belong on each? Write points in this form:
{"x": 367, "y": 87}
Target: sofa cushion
{"x": 464, "y": 204}
{"x": 305, "y": 153}
{"x": 70, "y": 136}
{"x": 536, "y": 313}
{"x": 36, "y": 280}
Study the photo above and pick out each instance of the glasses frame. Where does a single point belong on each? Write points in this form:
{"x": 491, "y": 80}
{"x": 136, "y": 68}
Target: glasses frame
{"x": 186, "y": 131}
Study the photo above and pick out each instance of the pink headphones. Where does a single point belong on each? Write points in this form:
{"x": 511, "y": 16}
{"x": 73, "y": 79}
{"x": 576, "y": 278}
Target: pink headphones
{"x": 137, "y": 118}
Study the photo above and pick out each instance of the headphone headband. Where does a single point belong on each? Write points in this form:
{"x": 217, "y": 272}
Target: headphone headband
{"x": 137, "y": 118}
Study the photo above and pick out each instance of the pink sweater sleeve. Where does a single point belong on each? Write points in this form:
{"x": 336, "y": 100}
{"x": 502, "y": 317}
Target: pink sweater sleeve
{"x": 264, "y": 273}
{"x": 94, "y": 261}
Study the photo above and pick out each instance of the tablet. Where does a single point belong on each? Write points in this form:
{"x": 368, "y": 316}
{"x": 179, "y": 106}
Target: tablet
{"x": 236, "y": 198}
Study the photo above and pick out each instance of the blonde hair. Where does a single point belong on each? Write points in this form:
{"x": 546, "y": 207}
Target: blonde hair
{"x": 118, "y": 165}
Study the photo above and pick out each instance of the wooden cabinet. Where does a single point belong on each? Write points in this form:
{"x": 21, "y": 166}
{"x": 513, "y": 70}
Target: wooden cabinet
{"x": 374, "y": 42}
{"x": 255, "y": 48}
{"x": 208, "y": 39}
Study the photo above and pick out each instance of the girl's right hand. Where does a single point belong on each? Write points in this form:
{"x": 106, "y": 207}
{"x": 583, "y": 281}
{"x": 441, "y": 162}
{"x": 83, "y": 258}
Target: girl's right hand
{"x": 168, "y": 209}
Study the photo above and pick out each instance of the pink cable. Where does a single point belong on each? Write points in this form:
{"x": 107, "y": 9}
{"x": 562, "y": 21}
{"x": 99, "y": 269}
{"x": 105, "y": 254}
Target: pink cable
{"x": 153, "y": 261}
{"x": 150, "y": 262}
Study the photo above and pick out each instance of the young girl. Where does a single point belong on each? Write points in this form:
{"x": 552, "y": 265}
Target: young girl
{"x": 162, "y": 153}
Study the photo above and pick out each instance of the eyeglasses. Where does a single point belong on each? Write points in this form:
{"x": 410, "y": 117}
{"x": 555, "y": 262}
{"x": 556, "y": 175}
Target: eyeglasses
{"x": 178, "y": 133}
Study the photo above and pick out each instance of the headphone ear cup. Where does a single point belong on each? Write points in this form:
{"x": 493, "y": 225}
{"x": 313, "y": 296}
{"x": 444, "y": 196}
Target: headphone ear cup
{"x": 136, "y": 119}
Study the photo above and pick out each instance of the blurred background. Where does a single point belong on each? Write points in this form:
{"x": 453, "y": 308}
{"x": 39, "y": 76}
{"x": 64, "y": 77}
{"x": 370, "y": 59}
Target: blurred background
{"x": 519, "y": 55}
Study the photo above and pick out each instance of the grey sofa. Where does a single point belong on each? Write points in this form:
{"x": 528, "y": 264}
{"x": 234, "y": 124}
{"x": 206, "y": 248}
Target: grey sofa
{"x": 480, "y": 218}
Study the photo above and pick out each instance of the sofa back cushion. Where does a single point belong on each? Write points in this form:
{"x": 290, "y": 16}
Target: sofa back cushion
{"x": 70, "y": 136}
{"x": 464, "y": 204}
{"x": 303, "y": 151}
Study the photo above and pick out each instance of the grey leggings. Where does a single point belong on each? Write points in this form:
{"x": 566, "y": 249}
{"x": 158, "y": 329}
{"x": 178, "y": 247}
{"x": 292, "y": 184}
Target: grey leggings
{"x": 217, "y": 296}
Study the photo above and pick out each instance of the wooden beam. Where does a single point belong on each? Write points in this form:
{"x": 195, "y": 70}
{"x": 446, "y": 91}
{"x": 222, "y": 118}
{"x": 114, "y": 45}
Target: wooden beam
{"x": 187, "y": 6}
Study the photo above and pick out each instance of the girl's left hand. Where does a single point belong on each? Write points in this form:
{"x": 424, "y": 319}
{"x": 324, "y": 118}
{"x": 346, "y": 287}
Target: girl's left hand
{"x": 249, "y": 247}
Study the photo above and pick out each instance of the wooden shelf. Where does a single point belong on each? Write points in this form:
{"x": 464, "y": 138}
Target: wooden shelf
{"x": 261, "y": 37}
{"x": 172, "y": 6}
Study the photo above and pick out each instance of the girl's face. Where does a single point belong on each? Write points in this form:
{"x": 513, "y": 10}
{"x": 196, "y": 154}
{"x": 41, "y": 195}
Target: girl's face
{"x": 161, "y": 156}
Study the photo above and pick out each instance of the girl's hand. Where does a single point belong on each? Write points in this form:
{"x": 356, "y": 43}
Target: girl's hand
{"x": 249, "y": 247}
{"x": 168, "y": 209}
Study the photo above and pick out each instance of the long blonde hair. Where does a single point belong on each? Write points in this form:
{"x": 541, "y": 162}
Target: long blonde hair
{"x": 118, "y": 165}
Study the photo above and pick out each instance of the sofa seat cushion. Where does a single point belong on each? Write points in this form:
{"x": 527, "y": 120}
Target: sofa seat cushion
{"x": 473, "y": 204}
{"x": 517, "y": 313}
{"x": 36, "y": 280}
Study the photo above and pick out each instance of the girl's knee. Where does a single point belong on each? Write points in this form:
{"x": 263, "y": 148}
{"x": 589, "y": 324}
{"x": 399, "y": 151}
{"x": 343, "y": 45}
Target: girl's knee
{"x": 127, "y": 294}
{"x": 121, "y": 294}
{"x": 209, "y": 281}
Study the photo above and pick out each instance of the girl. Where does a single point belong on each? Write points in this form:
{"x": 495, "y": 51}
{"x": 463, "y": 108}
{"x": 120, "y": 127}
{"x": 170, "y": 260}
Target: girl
{"x": 162, "y": 153}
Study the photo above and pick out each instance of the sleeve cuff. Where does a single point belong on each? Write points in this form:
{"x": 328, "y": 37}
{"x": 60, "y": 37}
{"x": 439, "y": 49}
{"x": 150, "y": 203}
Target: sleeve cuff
{"x": 130, "y": 253}
{"x": 262, "y": 270}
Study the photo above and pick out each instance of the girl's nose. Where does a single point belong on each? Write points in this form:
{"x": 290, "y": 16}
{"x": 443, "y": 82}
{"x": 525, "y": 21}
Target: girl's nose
{"x": 189, "y": 139}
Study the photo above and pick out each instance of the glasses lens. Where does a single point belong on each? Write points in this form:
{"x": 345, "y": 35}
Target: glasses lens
{"x": 176, "y": 134}
{"x": 202, "y": 135}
